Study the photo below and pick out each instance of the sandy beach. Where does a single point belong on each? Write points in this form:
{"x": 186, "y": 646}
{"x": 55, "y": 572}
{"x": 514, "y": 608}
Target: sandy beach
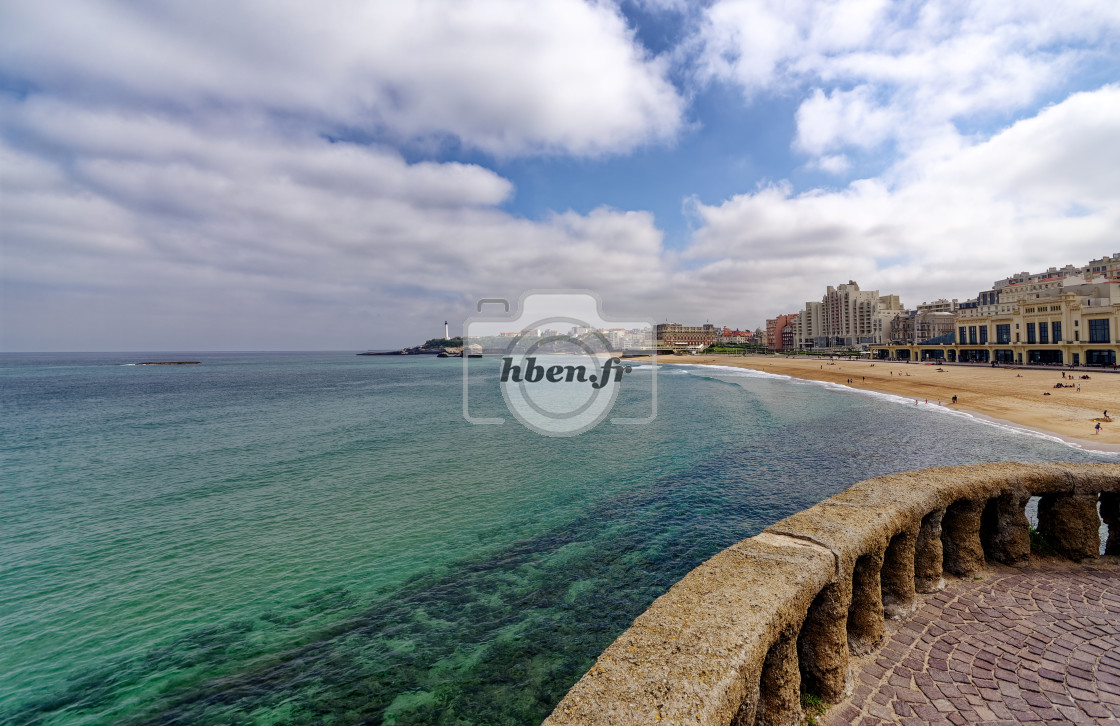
{"x": 1009, "y": 395}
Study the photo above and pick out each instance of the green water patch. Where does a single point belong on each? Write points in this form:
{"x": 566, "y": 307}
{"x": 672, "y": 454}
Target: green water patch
{"x": 489, "y": 640}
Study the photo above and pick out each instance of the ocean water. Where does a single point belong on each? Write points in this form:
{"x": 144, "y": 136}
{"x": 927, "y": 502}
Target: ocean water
{"x": 322, "y": 538}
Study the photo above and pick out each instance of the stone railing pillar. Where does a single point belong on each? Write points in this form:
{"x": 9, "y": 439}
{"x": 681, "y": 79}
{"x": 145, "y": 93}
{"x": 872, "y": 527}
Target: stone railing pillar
{"x": 1004, "y": 529}
{"x": 823, "y": 644}
{"x": 1110, "y": 513}
{"x": 898, "y": 574}
{"x": 960, "y": 538}
{"x": 1069, "y": 524}
{"x": 779, "y": 702}
{"x": 865, "y": 616}
{"x": 928, "y": 553}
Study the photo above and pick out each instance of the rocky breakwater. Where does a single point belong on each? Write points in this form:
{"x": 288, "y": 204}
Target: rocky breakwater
{"x": 740, "y": 638}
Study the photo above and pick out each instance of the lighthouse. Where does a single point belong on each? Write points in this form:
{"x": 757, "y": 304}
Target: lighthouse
{"x": 445, "y": 331}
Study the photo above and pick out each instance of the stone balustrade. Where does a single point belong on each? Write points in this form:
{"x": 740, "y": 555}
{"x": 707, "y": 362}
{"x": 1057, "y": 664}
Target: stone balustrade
{"x": 742, "y": 636}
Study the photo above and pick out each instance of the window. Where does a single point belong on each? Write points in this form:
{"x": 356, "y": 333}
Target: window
{"x": 972, "y": 335}
{"x": 1056, "y": 326}
{"x": 1100, "y": 357}
{"x": 1043, "y": 332}
{"x": 1030, "y": 333}
{"x": 962, "y": 337}
{"x": 1003, "y": 333}
{"x": 1098, "y": 331}
{"x": 983, "y": 334}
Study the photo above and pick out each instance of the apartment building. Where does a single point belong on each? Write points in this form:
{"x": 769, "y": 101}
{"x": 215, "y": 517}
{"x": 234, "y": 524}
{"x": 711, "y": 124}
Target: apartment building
{"x": 846, "y": 317}
{"x": 928, "y": 323}
{"x": 780, "y": 332}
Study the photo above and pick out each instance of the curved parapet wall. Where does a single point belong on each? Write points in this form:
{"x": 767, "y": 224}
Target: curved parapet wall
{"x": 738, "y": 639}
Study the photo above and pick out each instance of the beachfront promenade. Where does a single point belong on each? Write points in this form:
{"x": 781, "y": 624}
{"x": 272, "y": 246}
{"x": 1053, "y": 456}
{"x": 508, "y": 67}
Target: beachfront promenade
{"x": 911, "y": 598}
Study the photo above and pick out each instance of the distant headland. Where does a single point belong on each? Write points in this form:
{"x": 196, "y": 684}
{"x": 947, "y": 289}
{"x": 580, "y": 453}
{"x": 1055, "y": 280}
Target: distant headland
{"x": 439, "y": 347}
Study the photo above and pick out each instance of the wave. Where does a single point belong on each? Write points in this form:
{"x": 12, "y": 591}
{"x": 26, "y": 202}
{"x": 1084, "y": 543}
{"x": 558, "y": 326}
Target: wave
{"x": 924, "y": 404}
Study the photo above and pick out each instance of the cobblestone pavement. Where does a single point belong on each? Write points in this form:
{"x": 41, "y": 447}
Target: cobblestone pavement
{"x": 1031, "y": 645}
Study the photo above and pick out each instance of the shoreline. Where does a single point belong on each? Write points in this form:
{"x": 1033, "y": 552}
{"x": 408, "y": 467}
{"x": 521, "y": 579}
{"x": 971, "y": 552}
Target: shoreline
{"x": 1009, "y": 397}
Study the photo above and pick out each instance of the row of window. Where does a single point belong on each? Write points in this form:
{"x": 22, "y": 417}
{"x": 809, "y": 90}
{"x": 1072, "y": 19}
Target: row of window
{"x": 1044, "y": 332}
{"x": 1036, "y": 333}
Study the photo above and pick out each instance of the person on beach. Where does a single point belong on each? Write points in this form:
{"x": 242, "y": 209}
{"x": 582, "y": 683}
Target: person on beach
{"x": 954, "y": 399}
{"x": 1098, "y": 428}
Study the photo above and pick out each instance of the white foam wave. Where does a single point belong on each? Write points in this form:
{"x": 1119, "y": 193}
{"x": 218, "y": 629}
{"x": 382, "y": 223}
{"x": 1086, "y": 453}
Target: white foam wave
{"x": 924, "y": 404}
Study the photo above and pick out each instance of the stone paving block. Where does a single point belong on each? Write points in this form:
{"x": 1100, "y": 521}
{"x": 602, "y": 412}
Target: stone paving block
{"x": 879, "y": 711}
{"x": 875, "y": 671}
{"x": 943, "y": 705}
{"x": 1095, "y": 710}
{"x": 1051, "y": 675}
{"x": 1009, "y": 689}
{"x": 1000, "y": 710}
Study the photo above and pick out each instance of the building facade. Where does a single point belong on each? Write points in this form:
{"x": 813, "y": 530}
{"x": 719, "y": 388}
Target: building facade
{"x": 846, "y": 317}
{"x": 781, "y": 332}
{"x": 928, "y": 323}
{"x": 675, "y": 335}
{"x": 1047, "y": 319}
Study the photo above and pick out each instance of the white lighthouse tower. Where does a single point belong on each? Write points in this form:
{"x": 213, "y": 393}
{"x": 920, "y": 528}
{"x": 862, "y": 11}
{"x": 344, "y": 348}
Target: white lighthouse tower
{"x": 445, "y": 331}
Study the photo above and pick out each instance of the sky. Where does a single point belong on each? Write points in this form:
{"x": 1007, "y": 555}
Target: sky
{"x": 347, "y": 175}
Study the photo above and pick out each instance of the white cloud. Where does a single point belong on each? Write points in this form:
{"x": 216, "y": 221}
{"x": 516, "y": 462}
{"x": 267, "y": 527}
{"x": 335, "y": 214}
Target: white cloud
{"x": 834, "y": 163}
{"x": 505, "y": 77}
{"x": 249, "y": 239}
{"x": 853, "y": 116}
{"x": 903, "y": 72}
{"x": 168, "y": 183}
{"x": 183, "y": 239}
{"x": 1040, "y": 193}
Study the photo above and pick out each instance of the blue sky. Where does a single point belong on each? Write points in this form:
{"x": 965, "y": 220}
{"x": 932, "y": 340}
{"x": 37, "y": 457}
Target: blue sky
{"x": 263, "y": 175}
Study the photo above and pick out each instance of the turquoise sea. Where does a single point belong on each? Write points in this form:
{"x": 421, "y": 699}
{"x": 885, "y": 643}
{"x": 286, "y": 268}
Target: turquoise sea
{"x": 272, "y": 538}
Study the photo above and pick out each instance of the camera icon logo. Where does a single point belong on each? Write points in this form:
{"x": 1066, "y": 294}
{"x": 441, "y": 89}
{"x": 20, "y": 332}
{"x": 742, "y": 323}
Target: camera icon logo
{"x": 559, "y": 365}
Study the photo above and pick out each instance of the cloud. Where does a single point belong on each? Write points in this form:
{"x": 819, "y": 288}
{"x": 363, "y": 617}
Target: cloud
{"x": 262, "y": 176}
{"x": 244, "y": 240}
{"x": 901, "y": 72}
{"x": 1040, "y": 193}
{"x": 559, "y": 76}
{"x": 163, "y": 236}
{"x": 242, "y": 176}
{"x": 853, "y": 116}
{"x": 834, "y": 163}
